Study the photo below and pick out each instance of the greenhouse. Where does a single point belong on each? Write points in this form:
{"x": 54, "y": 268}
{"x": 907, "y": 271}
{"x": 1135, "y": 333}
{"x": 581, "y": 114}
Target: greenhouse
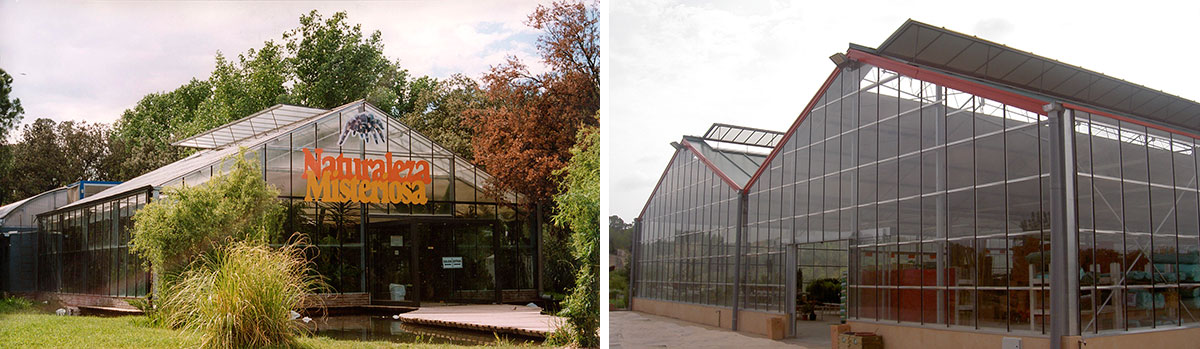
{"x": 18, "y": 232}
{"x": 396, "y": 218}
{"x": 950, "y": 184}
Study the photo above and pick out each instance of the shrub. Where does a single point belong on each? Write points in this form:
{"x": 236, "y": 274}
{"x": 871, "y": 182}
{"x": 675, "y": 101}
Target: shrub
{"x": 618, "y": 287}
{"x": 825, "y": 290}
{"x": 578, "y": 205}
{"x": 184, "y": 223}
{"x": 13, "y": 304}
{"x": 242, "y": 295}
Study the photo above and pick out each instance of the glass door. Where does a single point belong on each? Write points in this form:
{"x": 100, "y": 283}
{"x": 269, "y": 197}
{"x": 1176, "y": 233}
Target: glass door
{"x": 392, "y": 258}
{"x": 457, "y": 262}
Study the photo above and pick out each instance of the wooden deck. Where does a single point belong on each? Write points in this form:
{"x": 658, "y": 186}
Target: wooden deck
{"x": 498, "y": 318}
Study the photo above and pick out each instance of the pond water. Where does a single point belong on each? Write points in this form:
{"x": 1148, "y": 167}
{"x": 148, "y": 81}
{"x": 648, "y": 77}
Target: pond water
{"x": 384, "y": 328}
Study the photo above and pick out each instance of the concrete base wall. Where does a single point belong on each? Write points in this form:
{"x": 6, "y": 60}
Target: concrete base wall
{"x": 1175, "y": 338}
{"x": 748, "y": 321}
{"x": 895, "y": 336}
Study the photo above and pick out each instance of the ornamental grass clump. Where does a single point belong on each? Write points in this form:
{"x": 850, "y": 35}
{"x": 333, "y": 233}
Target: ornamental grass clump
{"x": 241, "y": 296}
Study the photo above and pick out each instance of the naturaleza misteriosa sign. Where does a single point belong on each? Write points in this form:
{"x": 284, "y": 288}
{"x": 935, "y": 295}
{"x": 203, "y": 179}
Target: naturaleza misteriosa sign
{"x": 342, "y": 179}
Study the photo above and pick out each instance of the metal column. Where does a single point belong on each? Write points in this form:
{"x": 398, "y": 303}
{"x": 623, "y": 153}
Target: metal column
{"x": 737, "y": 258}
{"x": 634, "y": 255}
{"x": 792, "y": 289}
{"x": 1064, "y": 244}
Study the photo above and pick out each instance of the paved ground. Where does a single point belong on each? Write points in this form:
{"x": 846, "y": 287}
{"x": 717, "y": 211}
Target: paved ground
{"x": 502, "y": 318}
{"x": 629, "y": 329}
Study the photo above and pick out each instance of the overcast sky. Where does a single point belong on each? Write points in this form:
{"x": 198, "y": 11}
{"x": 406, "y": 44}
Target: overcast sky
{"x": 92, "y": 60}
{"x": 676, "y": 67}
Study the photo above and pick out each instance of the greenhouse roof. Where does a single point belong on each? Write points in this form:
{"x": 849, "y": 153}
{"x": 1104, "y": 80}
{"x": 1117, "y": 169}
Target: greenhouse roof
{"x": 208, "y": 156}
{"x": 950, "y": 51}
{"x": 253, "y": 126}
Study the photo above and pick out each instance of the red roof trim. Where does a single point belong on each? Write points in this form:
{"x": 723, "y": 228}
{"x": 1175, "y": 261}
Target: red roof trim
{"x": 803, "y": 115}
{"x": 712, "y": 167}
{"x": 1010, "y": 98}
{"x": 1128, "y": 119}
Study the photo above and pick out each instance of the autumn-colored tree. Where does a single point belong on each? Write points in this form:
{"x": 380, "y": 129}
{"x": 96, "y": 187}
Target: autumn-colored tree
{"x": 530, "y": 124}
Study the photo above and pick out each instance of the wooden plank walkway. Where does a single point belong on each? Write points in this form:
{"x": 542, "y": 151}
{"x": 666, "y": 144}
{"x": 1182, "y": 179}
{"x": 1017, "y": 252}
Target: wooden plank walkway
{"x": 498, "y": 318}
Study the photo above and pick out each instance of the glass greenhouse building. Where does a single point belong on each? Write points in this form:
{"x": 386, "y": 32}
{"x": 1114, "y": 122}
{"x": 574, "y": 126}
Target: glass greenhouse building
{"x": 967, "y": 190}
{"x": 397, "y": 219}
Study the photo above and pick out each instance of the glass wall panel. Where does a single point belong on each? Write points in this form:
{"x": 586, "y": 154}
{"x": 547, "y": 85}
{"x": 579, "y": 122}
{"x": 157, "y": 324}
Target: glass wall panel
{"x": 687, "y": 237}
{"x": 941, "y": 194}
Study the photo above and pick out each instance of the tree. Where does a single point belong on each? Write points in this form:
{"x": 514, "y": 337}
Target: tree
{"x": 523, "y": 134}
{"x": 578, "y": 206}
{"x": 438, "y": 108}
{"x": 522, "y": 137}
{"x": 50, "y": 155}
{"x": 335, "y": 64}
{"x": 253, "y": 83}
{"x": 10, "y": 115}
{"x": 620, "y": 234}
{"x": 10, "y": 108}
{"x": 323, "y": 63}
{"x": 143, "y": 134}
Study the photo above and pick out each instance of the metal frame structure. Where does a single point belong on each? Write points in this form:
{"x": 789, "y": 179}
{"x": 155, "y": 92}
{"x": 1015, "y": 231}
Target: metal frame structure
{"x": 1039, "y": 96}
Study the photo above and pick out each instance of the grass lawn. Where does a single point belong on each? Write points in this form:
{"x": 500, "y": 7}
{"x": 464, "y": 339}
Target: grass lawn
{"x": 52, "y": 331}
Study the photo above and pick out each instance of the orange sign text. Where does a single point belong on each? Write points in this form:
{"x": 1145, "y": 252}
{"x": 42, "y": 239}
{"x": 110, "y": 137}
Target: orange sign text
{"x": 375, "y": 181}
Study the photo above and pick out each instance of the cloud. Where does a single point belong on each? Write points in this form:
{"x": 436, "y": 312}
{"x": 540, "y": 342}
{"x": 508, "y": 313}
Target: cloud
{"x": 92, "y": 60}
{"x": 993, "y": 28}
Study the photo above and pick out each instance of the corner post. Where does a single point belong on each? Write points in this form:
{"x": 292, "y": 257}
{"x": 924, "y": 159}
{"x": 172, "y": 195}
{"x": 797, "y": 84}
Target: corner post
{"x": 1064, "y": 244}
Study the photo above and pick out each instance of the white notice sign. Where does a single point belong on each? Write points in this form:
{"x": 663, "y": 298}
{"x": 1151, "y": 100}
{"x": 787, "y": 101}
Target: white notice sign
{"x": 451, "y": 262}
{"x": 397, "y": 240}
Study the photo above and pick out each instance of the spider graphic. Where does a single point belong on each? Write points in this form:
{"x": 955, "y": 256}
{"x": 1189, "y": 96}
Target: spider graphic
{"x": 365, "y": 126}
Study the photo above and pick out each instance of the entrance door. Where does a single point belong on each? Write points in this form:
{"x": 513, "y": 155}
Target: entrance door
{"x": 392, "y": 259}
{"x": 457, "y": 262}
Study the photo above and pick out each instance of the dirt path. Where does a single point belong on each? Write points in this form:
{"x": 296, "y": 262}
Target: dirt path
{"x": 629, "y": 329}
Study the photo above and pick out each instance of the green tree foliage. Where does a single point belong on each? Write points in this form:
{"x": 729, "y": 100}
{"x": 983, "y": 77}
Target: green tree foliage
{"x": 10, "y": 115}
{"x": 620, "y": 234}
{"x": 185, "y": 223}
{"x": 50, "y": 155}
{"x": 143, "y": 134}
{"x": 334, "y": 63}
{"x": 253, "y": 83}
{"x": 438, "y": 108}
{"x": 578, "y": 206}
{"x": 10, "y": 108}
{"x": 323, "y": 63}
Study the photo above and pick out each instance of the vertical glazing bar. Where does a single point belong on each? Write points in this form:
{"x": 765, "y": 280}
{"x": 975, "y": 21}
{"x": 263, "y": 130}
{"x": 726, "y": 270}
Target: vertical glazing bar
{"x": 942, "y": 223}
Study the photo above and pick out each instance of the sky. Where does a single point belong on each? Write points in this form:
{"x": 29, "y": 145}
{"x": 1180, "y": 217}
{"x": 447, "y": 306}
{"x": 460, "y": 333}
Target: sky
{"x": 676, "y": 67}
{"x": 91, "y": 61}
